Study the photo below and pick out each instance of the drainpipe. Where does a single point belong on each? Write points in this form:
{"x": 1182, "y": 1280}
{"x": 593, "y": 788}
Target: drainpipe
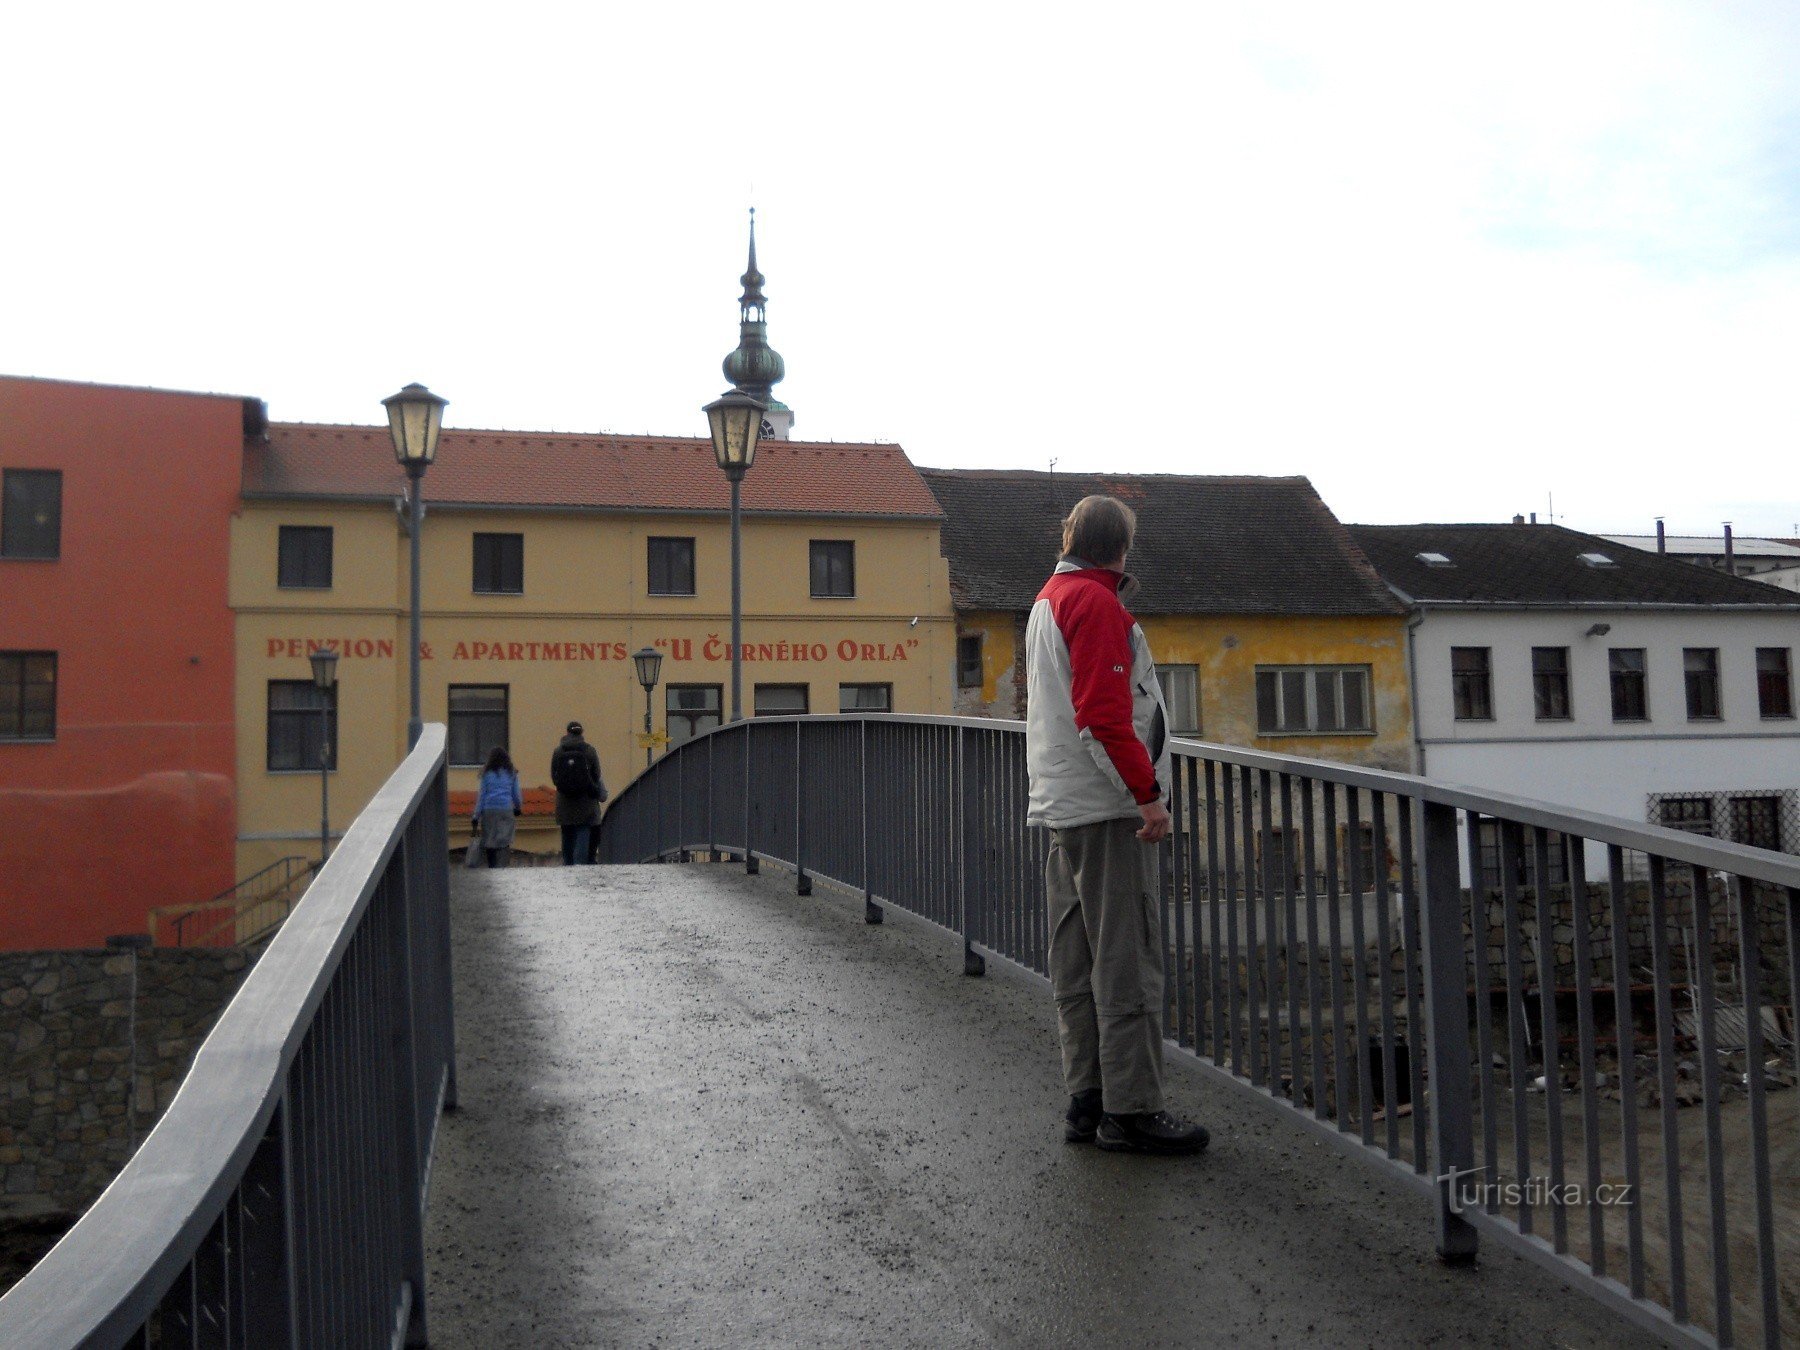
{"x": 1412, "y": 688}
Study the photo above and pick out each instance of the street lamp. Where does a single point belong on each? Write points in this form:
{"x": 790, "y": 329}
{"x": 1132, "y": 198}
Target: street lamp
{"x": 736, "y": 421}
{"x": 415, "y": 417}
{"x": 649, "y": 665}
{"x": 324, "y": 668}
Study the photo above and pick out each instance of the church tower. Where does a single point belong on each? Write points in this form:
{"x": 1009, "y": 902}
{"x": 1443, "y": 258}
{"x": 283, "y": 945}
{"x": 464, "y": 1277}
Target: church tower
{"x": 756, "y": 367}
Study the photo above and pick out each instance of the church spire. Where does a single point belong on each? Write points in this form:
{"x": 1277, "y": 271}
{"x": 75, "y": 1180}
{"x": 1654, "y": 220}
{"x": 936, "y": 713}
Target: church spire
{"x": 756, "y": 367}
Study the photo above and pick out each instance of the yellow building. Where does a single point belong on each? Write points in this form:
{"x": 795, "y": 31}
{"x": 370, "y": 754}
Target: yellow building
{"x": 1269, "y": 627}
{"x": 548, "y": 560}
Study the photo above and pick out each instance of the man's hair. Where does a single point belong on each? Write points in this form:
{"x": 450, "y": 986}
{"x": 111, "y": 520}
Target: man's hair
{"x": 1099, "y": 529}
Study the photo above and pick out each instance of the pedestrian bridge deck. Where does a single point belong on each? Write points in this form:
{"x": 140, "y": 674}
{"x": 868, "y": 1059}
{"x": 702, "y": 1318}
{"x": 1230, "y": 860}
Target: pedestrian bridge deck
{"x": 697, "y": 1109}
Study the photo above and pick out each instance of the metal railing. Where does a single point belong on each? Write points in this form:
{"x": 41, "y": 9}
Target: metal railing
{"x": 279, "y": 1202}
{"x": 1516, "y": 1047}
{"x": 242, "y": 913}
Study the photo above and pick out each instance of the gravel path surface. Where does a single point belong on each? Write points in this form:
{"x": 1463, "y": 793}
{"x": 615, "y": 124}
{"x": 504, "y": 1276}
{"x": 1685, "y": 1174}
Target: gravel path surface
{"x": 700, "y": 1110}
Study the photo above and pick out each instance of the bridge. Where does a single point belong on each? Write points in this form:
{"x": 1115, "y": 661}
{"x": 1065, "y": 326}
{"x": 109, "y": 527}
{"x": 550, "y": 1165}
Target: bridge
{"x": 785, "y": 1072}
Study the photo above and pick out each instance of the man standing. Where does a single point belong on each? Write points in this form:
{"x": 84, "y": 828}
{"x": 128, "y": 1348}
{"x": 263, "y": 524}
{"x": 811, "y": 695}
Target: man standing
{"x": 575, "y": 772}
{"x": 1096, "y": 749}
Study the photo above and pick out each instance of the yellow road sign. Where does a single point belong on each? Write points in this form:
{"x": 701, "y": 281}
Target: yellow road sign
{"x": 649, "y": 740}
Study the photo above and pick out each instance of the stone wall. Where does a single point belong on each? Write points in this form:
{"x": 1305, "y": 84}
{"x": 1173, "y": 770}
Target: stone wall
{"x": 93, "y": 1045}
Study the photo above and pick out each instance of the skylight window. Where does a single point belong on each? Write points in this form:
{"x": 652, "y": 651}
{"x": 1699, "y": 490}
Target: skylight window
{"x": 1596, "y": 560}
{"x": 1435, "y": 559}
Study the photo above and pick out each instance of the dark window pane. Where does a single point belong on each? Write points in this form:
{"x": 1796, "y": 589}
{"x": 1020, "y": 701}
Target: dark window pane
{"x": 1355, "y": 687}
{"x": 1293, "y": 700}
{"x": 1693, "y": 814}
{"x": 1327, "y": 714}
{"x": 1700, "y": 668}
{"x": 478, "y": 722}
{"x": 305, "y": 559}
{"x": 671, "y": 566}
{"x": 294, "y": 724}
{"x": 27, "y": 696}
{"x": 779, "y": 700}
{"x": 833, "y": 567}
{"x": 1266, "y": 712}
{"x": 31, "y": 513}
{"x": 1774, "y": 682}
{"x": 500, "y": 564}
{"x": 865, "y": 698}
{"x": 1471, "y": 683}
{"x": 1756, "y": 821}
{"x": 968, "y": 660}
{"x": 1629, "y": 703}
{"x": 1550, "y": 683}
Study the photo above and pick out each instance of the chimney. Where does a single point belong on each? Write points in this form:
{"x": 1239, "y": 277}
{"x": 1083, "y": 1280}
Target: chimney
{"x": 1534, "y": 517}
{"x": 1730, "y": 566}
{"x": 1662, "y": 543}
{"x": 1518, "y": 520}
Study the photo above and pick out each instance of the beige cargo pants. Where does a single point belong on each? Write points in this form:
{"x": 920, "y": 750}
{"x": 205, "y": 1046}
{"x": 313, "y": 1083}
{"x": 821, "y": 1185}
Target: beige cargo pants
{"x": 1106, "y": 963}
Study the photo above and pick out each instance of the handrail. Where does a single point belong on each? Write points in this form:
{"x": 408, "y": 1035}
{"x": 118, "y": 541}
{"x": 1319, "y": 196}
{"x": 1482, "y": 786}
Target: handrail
{"x": 339, "y": 1042}
{"x": 294, "y": 869}
{"x": 1421, "y": 972}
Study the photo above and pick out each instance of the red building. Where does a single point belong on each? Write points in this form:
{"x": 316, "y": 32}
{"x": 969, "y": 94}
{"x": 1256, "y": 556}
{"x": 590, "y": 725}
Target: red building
{"x": 117, "y": 722}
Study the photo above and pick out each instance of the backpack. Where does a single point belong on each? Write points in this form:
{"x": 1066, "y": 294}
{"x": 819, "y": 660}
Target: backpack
{"x": 569, "y": 772}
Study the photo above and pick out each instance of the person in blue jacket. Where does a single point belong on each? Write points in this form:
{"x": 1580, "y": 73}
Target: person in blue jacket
{"x": 497, "y": 806}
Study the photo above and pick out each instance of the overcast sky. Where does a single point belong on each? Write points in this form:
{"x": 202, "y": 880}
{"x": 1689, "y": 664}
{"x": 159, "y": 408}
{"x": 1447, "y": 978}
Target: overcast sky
{"x": 1448, "y": 261}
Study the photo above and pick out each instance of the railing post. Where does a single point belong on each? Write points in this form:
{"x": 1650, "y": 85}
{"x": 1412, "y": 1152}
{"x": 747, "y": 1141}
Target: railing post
{"x": 974, "y": 963}
{"x": 1447, "y": 1028}
{"x": 271, "y": 1313}
{"x": 871, "y": 910}
{"x": 802, "y": 882}
{"x": 403, "y": 1040}
{"x": 750, "y": 864}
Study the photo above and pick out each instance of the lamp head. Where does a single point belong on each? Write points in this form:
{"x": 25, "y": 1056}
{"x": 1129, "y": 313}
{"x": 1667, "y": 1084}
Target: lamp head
{"x": 324, "y": 667}
{"x": 649, "y": 665}
{"x": 735, "y": 419}
{"x": 415, "y": 417}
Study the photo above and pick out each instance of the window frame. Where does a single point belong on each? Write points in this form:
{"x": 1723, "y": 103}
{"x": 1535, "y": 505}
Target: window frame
{"x": 16, "y": 735}
{"x": 496, "y": 539}
{"x": 1279, "y": 683}
{"x": 971, "y": 660}
{"x": 299, "y": 532}
{"x": 1550, "y": 685}
{"x": 817, "y": 549}
{"x": 1765, "y": 685}
{"x": 650, "y": 563}
{"x": 1707, "y": 817}
{"x": 690, "y": 715}
{"x": 1619, "y": 680}
{"x": 1739, "y": 807}
{"x": 887, "y": 685}
{"x": 309, "y": 717}
{"x": 1464, "y": 707}
{"x": 486, "y": 744}
{"x": 756, "y": 692}
{"x": 7, "y": 478}
{"x": 1165, "y": 676}
{"x": 1698, "y": 685}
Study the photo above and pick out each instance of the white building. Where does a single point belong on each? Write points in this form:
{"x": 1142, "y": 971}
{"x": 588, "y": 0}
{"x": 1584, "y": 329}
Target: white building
{"x": 1556, "y": 665}
{"x": 1775, "y": 561}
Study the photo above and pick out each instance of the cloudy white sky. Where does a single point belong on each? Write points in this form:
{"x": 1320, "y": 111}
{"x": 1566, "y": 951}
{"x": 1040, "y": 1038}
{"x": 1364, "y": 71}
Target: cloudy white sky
{"x": 1449, "y": 261}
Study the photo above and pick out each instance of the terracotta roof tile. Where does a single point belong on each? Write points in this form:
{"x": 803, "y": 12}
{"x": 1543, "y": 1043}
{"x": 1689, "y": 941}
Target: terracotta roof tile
{"x": 621, "y": 473}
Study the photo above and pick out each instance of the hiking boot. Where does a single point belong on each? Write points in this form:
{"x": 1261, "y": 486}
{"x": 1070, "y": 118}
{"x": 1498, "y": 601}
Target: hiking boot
{"x": 1083, "y": 1117}
{"x": 1151, "y": 1132}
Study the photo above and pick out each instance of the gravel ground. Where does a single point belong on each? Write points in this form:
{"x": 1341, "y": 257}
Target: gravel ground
{"x": 699, "y": 1110}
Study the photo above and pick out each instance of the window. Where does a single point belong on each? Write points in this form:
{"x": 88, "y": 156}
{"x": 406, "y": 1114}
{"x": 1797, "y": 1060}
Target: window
{"x": 1550, "y": 683}
{"x": 1472, "y": 683}
{"x": 865, "y": 698}
{"x": 294, "y": 728}
{"x": 692, "y": 709}
{"x": 1693, "y": 814}
{"x": 968, "y": 661}
{"x": 305, "y": 558}
{"x": 27, "y": 696}
{"x": 1757, "y": 821}
{"x": 833, "y": 567}
{"x": 1332, "y": 700}
{"x": 500, "y": 564}
{"x": 1489, "y": 844}
{"x": 1365, "y": 855}
{"x": 1628, "y": 700}
{"x": 1181, "y": 692}
{"x": 31, "y": 513}
{"x": 1774, "y": 682}
{"x": 478, "y": 722}
{"x": 1701, "y": 667}
{"x": 671, "y": 566}
{"x": 780, "y": 700}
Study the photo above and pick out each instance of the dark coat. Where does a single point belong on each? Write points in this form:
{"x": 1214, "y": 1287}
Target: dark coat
{"x": 573, "y": 810}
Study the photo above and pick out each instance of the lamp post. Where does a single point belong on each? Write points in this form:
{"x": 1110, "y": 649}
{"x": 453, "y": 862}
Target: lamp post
{"x": 324, "y": 668}
{"x": 735, "y": 419}
{"x": 649, "y": 665}
{"x": 415, "y": 417}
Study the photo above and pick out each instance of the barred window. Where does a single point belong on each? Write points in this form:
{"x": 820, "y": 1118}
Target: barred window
{"x": 1757, "y": 821}
{"x": 1693, "y": 814}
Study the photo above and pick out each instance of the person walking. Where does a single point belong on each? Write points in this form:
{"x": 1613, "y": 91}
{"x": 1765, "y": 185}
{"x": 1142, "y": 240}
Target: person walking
{"x": 575, "y": 772}
{"x": 497, "y": 807}
{"x": 1096, "y": 751}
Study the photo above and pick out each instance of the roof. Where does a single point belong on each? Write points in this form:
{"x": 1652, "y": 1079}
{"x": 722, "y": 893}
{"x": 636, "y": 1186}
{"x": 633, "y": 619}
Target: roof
{"x": 1541, "y": 565}
{"x": 1205, "y": 545}
{"x": 1712, "y": 545}
{"x": 588, "y": 472}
